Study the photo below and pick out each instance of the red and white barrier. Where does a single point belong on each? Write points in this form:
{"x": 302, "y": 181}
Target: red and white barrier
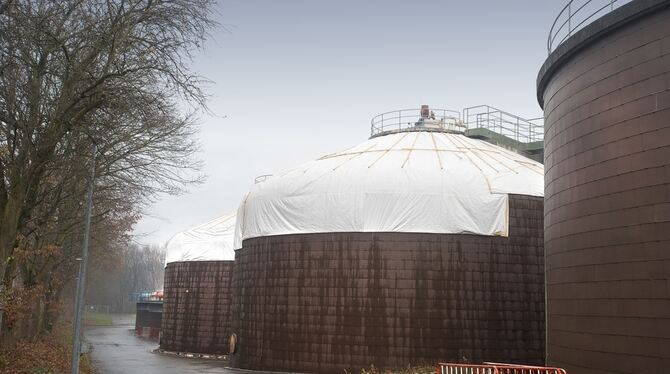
{"x": 495, "y": 368}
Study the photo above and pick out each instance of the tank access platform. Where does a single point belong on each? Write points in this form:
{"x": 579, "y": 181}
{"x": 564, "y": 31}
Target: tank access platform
{"x": 484, "y": 122}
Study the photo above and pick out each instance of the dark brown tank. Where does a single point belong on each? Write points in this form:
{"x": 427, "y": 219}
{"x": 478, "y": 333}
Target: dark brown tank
{"x": 196, "y": 307}
{"x": 148, "y": 319}
{"x": 606, "y": 99}
{"x": 329, "y": 302}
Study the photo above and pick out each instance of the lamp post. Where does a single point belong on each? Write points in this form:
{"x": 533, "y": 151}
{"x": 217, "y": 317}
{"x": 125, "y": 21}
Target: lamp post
{"x": 81, "y": 281}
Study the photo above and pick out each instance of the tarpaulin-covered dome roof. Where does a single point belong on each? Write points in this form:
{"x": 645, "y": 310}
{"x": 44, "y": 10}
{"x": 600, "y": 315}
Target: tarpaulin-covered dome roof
{"x": 420, "y": 181}
{"x": 212, "y": 240}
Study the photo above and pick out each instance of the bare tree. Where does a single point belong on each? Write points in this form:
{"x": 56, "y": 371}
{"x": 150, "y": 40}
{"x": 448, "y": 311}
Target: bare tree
{"x": 140, "y": 269}
{"x": 112, "y": 72}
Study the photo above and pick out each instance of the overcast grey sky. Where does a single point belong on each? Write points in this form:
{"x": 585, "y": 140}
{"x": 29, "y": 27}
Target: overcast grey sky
{"x": 299, "y": 79}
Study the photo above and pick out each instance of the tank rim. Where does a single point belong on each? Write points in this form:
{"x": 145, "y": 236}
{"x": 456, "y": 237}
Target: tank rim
{"x": 589, "y": 34}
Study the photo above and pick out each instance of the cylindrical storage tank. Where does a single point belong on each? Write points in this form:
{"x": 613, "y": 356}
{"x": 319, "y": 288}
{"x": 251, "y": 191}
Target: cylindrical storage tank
{"x": 412, "y": 247}
{"x": 605, "y": 92}
{"x": 196, "y": 301}
{"x": 148, "y": 315}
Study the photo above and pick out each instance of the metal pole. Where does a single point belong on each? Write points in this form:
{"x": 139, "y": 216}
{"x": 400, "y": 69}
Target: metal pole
{"x": 488, "y": 119}
{"x": 81, "y": 282}
{"x": 517, "y": 129}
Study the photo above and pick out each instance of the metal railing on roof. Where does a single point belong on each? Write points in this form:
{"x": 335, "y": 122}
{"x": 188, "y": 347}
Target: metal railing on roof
{"x": 146, "y": 296}
{"x": 498, "y": 121}
{"x": 409, "y": 119}
{"x": 575, "y": 15}
{"x": 481, "y": 117}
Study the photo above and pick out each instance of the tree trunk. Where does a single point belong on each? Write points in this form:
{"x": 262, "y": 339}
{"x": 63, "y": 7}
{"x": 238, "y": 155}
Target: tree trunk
{"x": 40, "y": 316}
{"x": 8, "y": 234}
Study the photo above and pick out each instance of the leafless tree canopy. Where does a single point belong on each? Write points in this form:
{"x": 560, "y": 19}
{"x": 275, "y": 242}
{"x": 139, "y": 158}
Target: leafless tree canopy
{"x": 78, "y": 72}
{"x": 141, "y": 269}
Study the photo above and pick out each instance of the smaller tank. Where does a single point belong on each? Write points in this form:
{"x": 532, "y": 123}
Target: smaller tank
{"x": 198, "y": 271}
{"x": 148, "y": 315}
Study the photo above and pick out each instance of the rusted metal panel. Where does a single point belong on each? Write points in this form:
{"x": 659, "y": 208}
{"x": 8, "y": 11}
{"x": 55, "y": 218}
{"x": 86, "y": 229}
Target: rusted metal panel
{"x": 334, "y": 301}
{"x": 607, "y": 207}
{"x": 196, "y": 307}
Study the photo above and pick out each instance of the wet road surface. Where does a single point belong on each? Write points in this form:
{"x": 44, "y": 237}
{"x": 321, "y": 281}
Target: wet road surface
{"x": 116, "y": 350}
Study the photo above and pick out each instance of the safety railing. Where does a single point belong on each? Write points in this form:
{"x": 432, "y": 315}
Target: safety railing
{"x": 407, "y": 119}
{"x": 575, "y": 15}
{"x": 146, "y": 296}
{"x": 503, "y": 123}
{"x": 495, "y": 368}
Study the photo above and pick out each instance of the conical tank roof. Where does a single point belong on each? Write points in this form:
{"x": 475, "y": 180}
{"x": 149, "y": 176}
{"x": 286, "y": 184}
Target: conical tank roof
{"x": 420, "y": 181}
{"x": 212, "y": 240}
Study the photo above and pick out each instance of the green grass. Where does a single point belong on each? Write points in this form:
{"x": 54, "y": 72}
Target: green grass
{"x": 97, "y": 319}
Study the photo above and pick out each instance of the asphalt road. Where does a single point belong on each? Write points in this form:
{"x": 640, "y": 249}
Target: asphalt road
{"x": 116, "y": 350}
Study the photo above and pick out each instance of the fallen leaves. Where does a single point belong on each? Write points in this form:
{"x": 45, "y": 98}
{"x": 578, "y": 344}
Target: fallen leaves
{"x": 48, "y": 354}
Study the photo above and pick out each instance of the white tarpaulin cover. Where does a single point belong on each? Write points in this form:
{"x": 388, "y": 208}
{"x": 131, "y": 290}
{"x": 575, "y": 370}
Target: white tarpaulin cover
{"x": 212, "y": 240}
{"x": 428, "y": 182}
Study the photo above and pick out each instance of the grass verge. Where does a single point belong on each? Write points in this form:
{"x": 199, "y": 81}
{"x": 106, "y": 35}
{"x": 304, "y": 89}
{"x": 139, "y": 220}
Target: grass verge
{"x": 423, "y": 369}
{"x": 97, "y": 319}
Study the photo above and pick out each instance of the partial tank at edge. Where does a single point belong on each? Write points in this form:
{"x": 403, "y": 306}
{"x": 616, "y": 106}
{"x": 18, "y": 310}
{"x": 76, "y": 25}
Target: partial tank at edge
{"x": 606, "y": 99}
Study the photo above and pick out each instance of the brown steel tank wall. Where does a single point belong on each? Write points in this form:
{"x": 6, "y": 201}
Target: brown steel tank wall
{"x": 196, "y": 307}
{"x": 329, "y": 302}
{"x": 148, "y": 319}
{"x": 607, "y": 195}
